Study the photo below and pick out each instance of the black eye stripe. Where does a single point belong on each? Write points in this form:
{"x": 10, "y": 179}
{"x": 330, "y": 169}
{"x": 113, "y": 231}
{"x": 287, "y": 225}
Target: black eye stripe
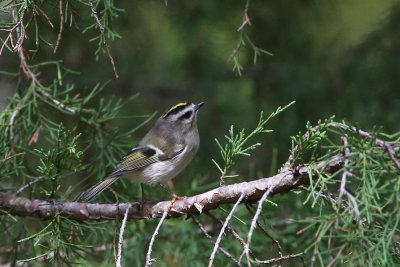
{"x": 187, "y": 115}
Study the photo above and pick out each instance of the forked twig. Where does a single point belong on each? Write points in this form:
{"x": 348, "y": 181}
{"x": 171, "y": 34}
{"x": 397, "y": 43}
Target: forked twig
{"x": 232, "y": 232}
{"x": 267, "y": 234}
{"x": 201, "y": 227}
{"x": 149, "y": 260}
{"x": 246, "y": 19}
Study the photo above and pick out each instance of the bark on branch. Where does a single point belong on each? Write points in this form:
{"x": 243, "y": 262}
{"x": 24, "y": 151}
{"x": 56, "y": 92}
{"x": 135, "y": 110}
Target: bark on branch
{"x": 283, "y": 182}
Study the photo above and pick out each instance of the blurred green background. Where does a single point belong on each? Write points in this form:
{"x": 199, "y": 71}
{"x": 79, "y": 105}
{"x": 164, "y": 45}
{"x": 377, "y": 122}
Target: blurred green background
{"x": 333, "y": 57}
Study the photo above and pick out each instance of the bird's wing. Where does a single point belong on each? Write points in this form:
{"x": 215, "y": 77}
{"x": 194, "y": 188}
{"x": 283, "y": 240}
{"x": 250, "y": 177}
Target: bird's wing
{"x": 138, "y": 158}
{"x": 143, "y": 156}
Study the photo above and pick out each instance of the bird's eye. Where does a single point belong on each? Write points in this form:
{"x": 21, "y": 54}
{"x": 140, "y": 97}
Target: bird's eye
{"x": 187, "y": 115}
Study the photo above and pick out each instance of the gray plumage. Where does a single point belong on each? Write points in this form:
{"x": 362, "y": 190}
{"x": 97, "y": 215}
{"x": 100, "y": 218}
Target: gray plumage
{"x": 162, "y": 154}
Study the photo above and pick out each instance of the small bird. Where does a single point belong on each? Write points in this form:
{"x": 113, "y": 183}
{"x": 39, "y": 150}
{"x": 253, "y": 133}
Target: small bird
{"x": 162, "y": 153}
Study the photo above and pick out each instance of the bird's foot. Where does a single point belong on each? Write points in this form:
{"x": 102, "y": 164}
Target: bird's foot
{"x": 174, "y": 199}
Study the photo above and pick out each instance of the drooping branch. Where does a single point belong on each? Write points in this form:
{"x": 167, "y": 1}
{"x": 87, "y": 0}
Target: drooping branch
{"x": 283, "y": 182}
{"x": 216, "y": 245}
{"x": 149, "y": 260}
{"x": 121, "y": 237}
{"x": 102, "y": 32}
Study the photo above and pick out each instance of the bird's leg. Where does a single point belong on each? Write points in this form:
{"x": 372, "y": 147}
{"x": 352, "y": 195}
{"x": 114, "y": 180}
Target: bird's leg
{"x": 174, "y": 196}
{"x": 167, "y": 189}
{"x": 143, "y": 196}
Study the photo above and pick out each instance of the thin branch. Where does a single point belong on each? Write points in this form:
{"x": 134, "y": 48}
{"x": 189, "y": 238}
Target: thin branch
{"x": 296, "y": 149}
{"x": 18, "y": 28}
{"x": 346, "y": 164}
{"x": 232, "y": 232}
{"x": 320, "y": 235}
{"x": 255, "y": 218}
{"x": 355, "y": 206}
{"x": 72, "y": 13}
{"x": 343, "y": 190}
{"x": 365, "y": 134}
{"x": 234, "y": 52}
{"x": 17, "y": 25}
{"x": 246, "y": 19}
{"x": 252, "y": 227}
{"x": 116, "y": 224}
{"x": 14, "y": 116}
{"x": 392, "y": 154}
{"x": 94, "y": 12}
{"x": 28, "y": 185}
{"x": 149, "y": 260}
{"x": 50, "y": 98}
{"x": 327, "y": 197}
{"x": 61, "y": 26}
{"x": 121, "y": 236}
{"x": 210, "y": 263}
{"x": 314, "y": 255}
{"x": 270, "y": 261}
{"x": 336, "y": 257}
{"x": 7, "y": 157}
{"x": 278, "y": 245}
{"x": 4, "y": 43}
{"x": 362, "y": 133}
{"x": 44, "y": 15}
{"x": 21, "y": 35}
{"x": 201, "y": 227}
{"x": 26, "y": 69}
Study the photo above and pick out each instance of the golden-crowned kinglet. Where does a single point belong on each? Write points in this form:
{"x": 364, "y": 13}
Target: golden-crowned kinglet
{"x": 162, "y": 153}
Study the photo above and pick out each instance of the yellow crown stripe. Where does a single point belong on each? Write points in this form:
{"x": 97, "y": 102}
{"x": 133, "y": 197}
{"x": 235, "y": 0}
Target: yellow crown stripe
{"x": 174, "y": 107}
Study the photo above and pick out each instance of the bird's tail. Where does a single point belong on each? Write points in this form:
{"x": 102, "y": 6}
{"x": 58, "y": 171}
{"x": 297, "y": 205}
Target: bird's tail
{"x": 95, "y": 190}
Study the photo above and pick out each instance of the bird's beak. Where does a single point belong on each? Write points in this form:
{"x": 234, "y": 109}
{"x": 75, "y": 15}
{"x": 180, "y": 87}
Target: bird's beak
{"x": 199, "y": 105}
